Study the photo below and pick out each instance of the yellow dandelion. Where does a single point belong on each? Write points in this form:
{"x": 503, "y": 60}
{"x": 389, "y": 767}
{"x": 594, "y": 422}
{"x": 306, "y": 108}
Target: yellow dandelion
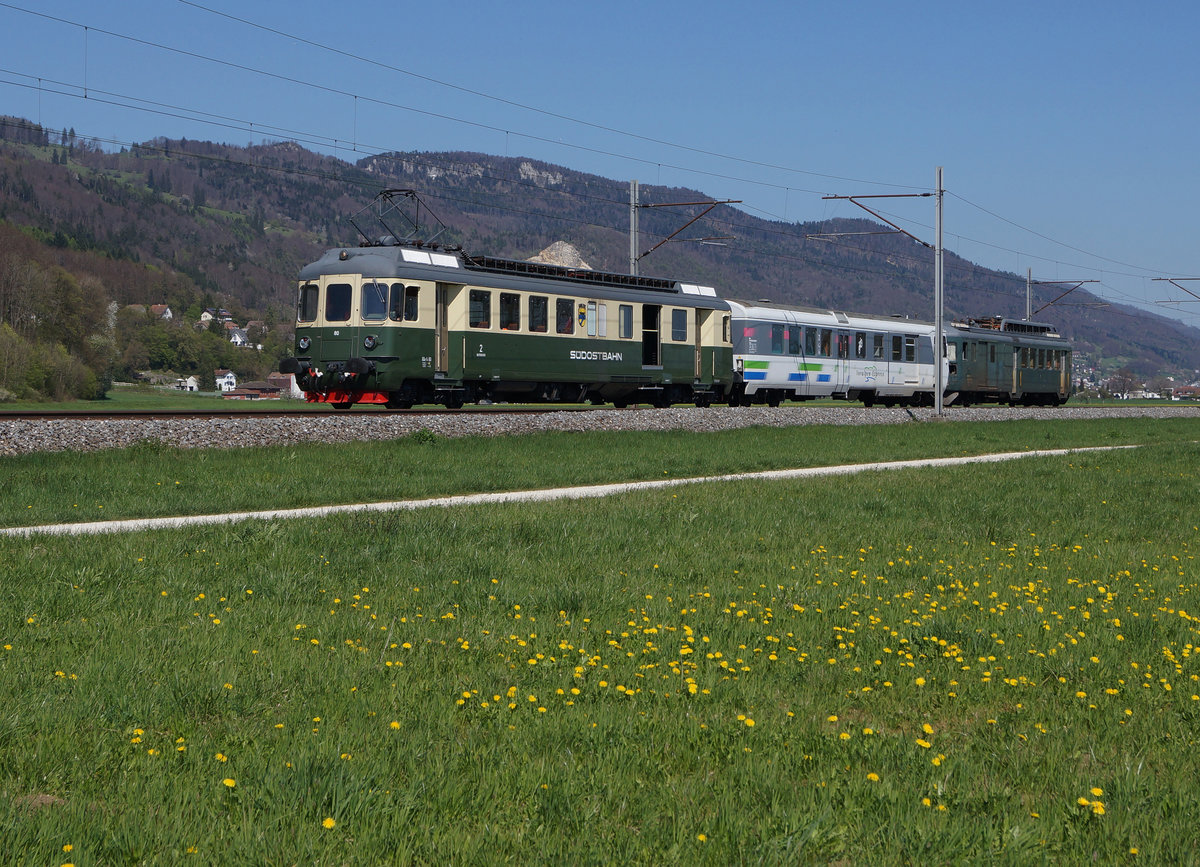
{"x": 1097, "y": 808}
{"x": 328, "y": 822}
{"x": 873, "y": 777}
{"x": 1097, "y": 791}
{"x": 229, "y": 782}
{"x": 844, "y": 736}
{"x": 703, "y": 838}
{"x": 395, "y": 724}
{"x": 923, "y": 743}
{"x": 920, "y": 681}
{"x": 927, "y": 728}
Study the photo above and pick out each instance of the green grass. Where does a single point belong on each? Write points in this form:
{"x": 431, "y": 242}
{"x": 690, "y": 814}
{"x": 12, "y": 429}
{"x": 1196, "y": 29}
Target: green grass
{"x": 152, "y": 480}
{"x": 411, "y": 677}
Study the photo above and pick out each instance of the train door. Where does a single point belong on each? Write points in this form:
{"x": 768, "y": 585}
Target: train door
{"x": 701, "y": 317}
{"x": 651, "y": 343}
{"x": 441, "y": 338}
{"x": 841, "y": 378}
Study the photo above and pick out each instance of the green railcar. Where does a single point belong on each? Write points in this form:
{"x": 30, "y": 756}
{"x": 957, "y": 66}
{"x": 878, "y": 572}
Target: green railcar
{"x": 1009, "y": 361}
{"x": 400, "y": 324}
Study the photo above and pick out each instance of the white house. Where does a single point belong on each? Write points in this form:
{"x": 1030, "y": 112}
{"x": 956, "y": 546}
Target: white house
{"x": 189, "y": 384}
{"x": 226, "y": 380}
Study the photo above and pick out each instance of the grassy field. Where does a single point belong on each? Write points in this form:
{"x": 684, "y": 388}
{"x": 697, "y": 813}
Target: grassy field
{"x": 979, "y": 664}
{"x": 153, "y": 480}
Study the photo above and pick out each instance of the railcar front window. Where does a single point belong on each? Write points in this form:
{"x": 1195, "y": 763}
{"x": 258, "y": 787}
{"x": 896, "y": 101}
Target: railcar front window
{"x": 412, "y": 295}
{"x": 480, "y": 309}
{"x": 337, "y": 302}
{"x": 306, "y": 310}
{"x": 374, "y": 302}
{"x": 539, "y": 313}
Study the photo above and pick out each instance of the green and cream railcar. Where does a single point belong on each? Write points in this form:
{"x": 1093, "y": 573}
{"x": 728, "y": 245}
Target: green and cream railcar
{"x": 797, "y": 353}
{"x": 401, "y": 325}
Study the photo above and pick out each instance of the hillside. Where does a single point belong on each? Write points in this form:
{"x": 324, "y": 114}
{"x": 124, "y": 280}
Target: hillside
{"x": 197, "y": 224}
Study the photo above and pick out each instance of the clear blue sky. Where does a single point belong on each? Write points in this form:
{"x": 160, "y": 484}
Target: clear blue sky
{"x": 1067, "y": 130}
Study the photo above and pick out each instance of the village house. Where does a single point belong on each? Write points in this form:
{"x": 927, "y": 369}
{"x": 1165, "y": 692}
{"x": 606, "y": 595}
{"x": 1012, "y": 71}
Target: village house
{"x": 226, "y": 380}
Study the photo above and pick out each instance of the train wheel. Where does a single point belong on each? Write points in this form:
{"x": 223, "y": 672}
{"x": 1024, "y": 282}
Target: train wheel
{"x": 343, "y": 404}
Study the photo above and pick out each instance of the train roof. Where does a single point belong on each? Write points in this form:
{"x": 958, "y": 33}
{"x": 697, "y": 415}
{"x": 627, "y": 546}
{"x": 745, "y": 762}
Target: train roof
{"x": 420, "y": 262}
{"x": 1008, "y": 326}
{"x": 835, "y": 318}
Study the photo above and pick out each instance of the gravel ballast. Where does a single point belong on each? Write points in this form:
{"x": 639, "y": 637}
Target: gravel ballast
{"x": 51, "y": 435}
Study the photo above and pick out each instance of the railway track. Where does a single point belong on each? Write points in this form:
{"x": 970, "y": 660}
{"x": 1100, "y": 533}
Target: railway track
{"x": 279, "y": 413}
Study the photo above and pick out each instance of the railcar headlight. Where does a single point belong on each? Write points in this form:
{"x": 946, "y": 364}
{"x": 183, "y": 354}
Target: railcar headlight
{"x": 304, "y": 343}
{"x": 370, "y": 341}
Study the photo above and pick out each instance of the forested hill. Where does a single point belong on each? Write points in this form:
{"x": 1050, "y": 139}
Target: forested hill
{"x": 197, "y": 224}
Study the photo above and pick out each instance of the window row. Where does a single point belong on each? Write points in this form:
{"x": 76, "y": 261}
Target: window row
{"x": 1044, "y": 359}
{"x": 571, "y": 316}
{"x": 377, "y": 302}
{"x": 768, "y": 339}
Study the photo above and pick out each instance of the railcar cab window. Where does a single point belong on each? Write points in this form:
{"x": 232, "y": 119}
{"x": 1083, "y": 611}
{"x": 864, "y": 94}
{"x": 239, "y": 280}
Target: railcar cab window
{"x": 373, "y": 303}
{"x": 306, "y": 310}
{"x": 402, "y": 303}
{"x": 510, "y": 311}
{"x": 564, "y": 316}
{"x": 338, "y": 298}
{"x": 539, "y": 313}
{"x": 479, "y": 313}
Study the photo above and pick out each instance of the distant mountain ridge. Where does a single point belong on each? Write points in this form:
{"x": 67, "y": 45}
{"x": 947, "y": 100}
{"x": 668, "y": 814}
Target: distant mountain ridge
{"x": 237, "y": 223}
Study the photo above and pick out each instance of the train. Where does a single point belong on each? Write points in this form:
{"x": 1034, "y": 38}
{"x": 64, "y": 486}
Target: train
{"x": 401, "y": 323}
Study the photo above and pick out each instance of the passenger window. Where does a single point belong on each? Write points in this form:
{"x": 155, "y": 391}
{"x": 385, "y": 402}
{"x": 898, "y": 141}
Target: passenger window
{"x": 374, "y": 302}
{"x": 843, "y": 346}
{"x": 625, "y": 320}
{"x": 826, "y": 343}
{"x": 726, "y": 333}
{"x": 679, "y": 328}
{"x": 793, "y": 336}
{"x": 897, "y": 348}
{"x": 591, "y": 319}
{"x": 510, "y": 311}
{"x": 777, "y": 340}
{"x": 564, "y": 316}
{"x": 602, "y": 320}
{"x": 910, "y": 347}
{"x": 306, "y": 310}
{"x": 539, "y": 313}
{"x": 480, "y": 311}
{"x": 810, "y": 341}
{"x": 337, "y": 302}
{"x": 877, "y": 347}
{"x": 860, "y": 345}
